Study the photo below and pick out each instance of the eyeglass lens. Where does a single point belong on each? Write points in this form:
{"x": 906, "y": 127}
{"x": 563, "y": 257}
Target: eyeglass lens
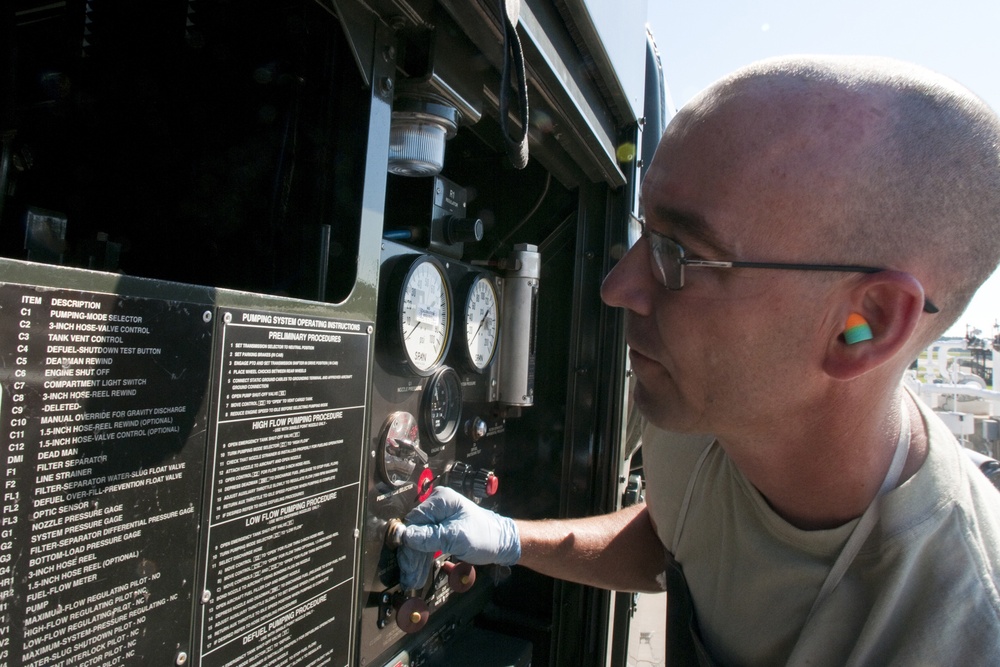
{"x": 667, "y": 267}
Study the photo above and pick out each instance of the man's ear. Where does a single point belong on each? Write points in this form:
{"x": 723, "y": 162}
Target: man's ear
{"x": 891, "y": 303}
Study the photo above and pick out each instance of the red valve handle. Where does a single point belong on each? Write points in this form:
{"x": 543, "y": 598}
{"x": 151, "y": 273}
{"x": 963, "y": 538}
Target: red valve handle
{"x": 461, "y": 576}
{"x": 412, "y": 615}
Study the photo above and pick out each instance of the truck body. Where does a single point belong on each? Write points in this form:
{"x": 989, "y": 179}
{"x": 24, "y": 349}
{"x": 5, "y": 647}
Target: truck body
{"x": 272, "y": 270}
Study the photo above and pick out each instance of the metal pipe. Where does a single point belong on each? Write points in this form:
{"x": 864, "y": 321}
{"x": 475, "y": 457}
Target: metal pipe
{"x": 962, "y": 389}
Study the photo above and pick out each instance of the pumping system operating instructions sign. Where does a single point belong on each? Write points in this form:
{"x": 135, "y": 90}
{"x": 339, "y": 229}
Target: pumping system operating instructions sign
{"x": 285, "y": 494}
{"x": 181, "y": 482}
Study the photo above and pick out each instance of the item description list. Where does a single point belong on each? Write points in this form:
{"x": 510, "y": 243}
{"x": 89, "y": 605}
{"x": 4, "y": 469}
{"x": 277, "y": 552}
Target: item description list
{"x": 103, "y": 410}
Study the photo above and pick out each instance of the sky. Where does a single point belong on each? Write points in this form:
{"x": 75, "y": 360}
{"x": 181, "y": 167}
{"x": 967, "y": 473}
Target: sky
{"x": 701, "y": 40}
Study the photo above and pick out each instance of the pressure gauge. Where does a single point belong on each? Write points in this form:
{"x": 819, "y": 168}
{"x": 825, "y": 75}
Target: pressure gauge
{"x": 442, "y": 405}
{"x": 482, "y": 314}
{"x": 424, "y": 314}
{"x": 400, "y": 458}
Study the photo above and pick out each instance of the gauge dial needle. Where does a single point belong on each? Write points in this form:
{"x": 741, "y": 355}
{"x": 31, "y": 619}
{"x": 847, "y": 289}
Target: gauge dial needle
{"x": 480, "y": 328}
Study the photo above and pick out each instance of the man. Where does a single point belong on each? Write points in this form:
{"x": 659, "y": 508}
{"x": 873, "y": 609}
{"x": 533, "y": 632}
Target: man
{"x": 818, "y": 512}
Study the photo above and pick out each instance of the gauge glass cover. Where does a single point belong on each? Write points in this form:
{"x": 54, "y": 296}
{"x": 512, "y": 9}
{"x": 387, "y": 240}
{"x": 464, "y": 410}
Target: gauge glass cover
{"x": 443, "y": 405}
{"x": 401, "y": 460}
{"x": 481, "y": 321}
{"x": 425, "y": 314}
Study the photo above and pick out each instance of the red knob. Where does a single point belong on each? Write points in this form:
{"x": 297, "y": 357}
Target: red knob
{"x": 492, "y": 484}
{"x": 484, "y": 483}
{"x": 461, "y": 576}
{"x": 412, "y": 615}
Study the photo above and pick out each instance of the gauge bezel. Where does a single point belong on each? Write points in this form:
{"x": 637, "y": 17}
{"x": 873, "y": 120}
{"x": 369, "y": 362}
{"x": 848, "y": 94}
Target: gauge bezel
{"x": 447, "y": 434}
{"x": 470, "y": 289}
{"x": 406, "y": 270}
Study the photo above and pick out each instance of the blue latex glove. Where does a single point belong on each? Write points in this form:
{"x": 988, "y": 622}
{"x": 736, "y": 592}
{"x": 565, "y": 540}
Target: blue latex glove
{"x": 448, "y": 521}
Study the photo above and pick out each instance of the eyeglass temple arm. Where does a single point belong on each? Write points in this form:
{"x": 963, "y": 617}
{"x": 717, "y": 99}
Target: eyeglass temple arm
{"x": 929, "y": 307}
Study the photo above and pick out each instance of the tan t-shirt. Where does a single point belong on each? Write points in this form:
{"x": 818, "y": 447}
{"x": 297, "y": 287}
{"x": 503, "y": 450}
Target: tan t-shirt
{"x": 923, "y": 590}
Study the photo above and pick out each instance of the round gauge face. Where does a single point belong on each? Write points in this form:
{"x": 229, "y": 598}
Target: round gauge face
{"x": 400, "y": 458}
{"x": 425, "y": 314}
{"x": 482, "y": 313}
{"x": 442, "y": 405}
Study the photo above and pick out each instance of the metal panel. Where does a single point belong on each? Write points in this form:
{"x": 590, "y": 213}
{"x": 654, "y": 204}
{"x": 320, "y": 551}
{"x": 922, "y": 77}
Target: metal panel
{"x": 103, "y": 421}
{"x": 119, "y": 458}
{"x": 576, "y": 112}
{"x": 615, "y": 35}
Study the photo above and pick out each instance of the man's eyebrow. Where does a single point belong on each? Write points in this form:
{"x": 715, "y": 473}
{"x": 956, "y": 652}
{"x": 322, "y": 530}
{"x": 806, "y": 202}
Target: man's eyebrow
{"x": 691, "y": 227}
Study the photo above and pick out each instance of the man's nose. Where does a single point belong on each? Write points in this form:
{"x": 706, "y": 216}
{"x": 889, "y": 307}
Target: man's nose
{"x": 629, "y": 284}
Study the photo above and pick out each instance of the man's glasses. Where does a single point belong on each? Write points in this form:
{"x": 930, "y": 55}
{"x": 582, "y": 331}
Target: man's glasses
{"x": 669, "y": 261}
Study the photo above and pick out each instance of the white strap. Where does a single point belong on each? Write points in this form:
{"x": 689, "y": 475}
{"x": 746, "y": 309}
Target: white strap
{"x": 867, "y": 521}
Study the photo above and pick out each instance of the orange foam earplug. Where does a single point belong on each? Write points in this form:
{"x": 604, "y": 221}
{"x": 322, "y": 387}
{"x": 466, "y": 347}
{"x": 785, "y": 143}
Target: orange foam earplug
{"x": 857, "y": 329}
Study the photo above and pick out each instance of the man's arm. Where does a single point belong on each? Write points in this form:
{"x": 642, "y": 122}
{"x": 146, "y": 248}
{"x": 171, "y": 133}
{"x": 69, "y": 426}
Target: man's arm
{"x": 618, "y": 551}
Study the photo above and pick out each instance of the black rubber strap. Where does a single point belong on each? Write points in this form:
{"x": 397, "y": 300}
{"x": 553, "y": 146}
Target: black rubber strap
{"x": 513, "y": 57}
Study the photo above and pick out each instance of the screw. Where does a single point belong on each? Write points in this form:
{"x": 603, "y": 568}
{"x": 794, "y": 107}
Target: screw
{"x": 206, "y": 596}
{"x": 385, "y": 86}
{"x": 182, "y": 658}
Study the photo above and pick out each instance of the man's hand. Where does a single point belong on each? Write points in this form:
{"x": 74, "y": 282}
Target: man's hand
{"x": 449, "y": 522}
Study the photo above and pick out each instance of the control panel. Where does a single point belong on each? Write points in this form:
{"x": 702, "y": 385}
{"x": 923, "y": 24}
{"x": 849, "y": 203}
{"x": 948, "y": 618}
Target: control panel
{"x": 439, "y": 410}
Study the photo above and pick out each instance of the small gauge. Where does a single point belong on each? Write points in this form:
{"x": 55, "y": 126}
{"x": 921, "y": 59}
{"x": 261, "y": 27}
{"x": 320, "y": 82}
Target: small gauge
{"x": 400, "y": 458}
{"x": 424, "y": 314}
{"x": 442, "y": 405}
{"x": 482, "y": 313}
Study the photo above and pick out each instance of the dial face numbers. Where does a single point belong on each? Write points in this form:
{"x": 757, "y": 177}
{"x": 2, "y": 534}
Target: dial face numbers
{"x": 443, "y": 405}
{"x": 400, "y": 458}
{"x": 425, "y": 315}
{"x": 481, "y": 322}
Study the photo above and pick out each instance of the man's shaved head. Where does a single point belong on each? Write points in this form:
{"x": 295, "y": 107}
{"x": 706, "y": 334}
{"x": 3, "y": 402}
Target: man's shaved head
{"x": 876, "y": 161}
